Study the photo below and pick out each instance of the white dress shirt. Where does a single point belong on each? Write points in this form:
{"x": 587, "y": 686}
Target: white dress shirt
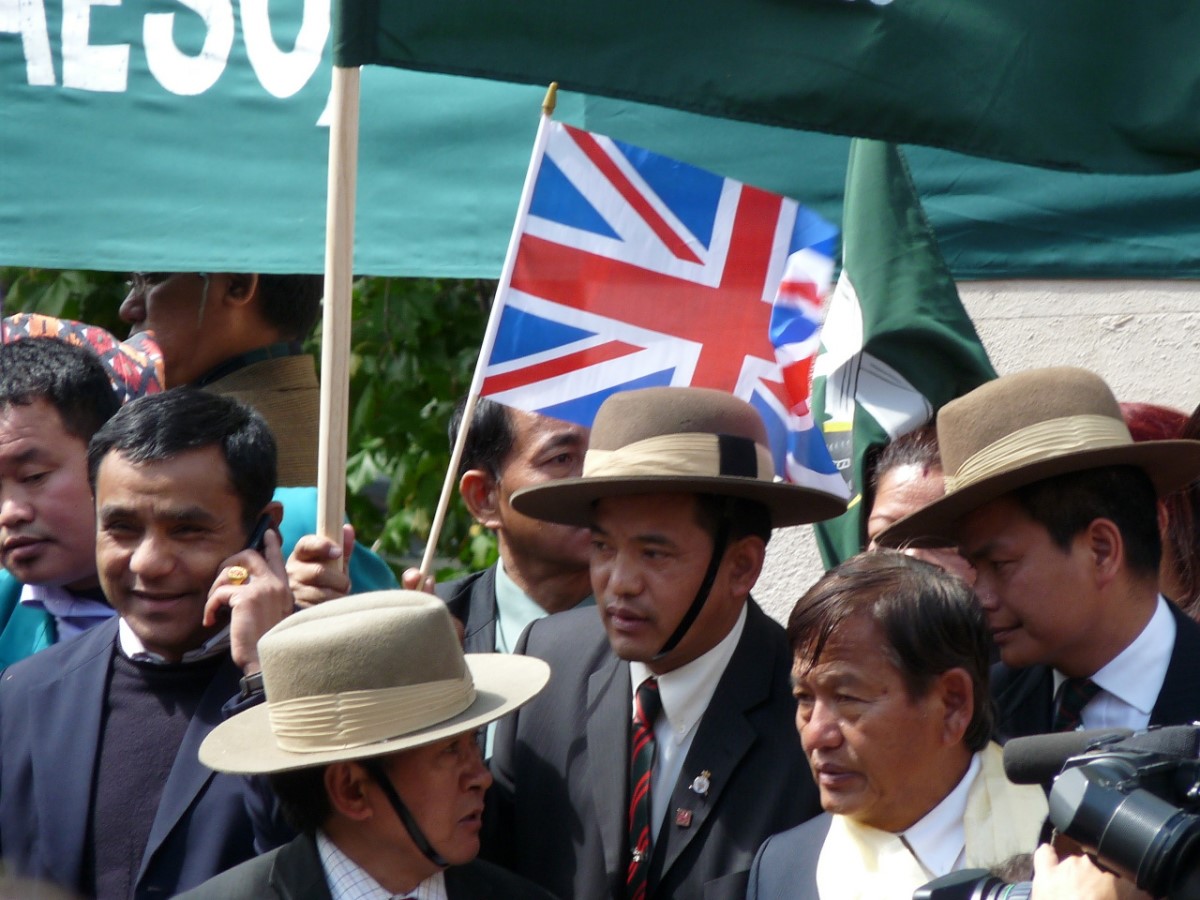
{"x": 1130, "y": 682}
{"x": 349, "y": 881}
{"x": 939, "y": 840}
{"x": 685, "y": 694}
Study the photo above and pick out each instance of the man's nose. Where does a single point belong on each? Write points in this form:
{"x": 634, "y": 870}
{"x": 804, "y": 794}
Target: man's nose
{"x": 133, "y": 307}
{"x": 14, "y": 510}
{"x": 821, "y": 729}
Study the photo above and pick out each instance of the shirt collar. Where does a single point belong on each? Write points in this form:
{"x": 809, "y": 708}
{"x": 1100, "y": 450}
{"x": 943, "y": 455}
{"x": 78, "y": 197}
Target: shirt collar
{"x": 349, "y": 881}
{"x": 1135, "y": 675}
{"x": 938, "y": 839}
{"x": 133, "y": 648}
{"x": 685, "y": 692}
{"x": 234, "y": 363}
{"x": 73, "y": 614}
{"x": 515, "y": 611}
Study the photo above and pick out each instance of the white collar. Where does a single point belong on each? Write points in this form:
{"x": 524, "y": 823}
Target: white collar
{"x": 685, "y": 692}
{"x": 1135, "y": 675}
{"x": 348, "y": 880}
{"x": 132, "y": 646}
{"x": 939, "y": 838}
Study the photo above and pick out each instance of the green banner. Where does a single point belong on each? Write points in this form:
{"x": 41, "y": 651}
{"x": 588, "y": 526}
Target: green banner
{"x": 896, "y": 344}
{"x": 1072, "y": 84}
{"x": 148, "y": 136}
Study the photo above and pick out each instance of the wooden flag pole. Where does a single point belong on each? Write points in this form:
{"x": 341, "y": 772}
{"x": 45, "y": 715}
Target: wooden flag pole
{"x": 335, "y": 327}
{"x": 489, "y": 334}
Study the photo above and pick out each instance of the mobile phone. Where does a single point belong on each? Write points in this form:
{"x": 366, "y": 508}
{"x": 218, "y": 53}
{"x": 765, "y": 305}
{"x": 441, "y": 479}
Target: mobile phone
{"x": 259, "y": 534}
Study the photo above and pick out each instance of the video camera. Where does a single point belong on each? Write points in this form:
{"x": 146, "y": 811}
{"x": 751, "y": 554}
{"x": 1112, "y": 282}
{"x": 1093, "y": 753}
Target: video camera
{"x": 1131, "y": 800}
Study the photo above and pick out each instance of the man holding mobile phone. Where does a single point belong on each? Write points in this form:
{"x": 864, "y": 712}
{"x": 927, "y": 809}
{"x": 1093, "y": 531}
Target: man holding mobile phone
{"x": 99, "y": 735}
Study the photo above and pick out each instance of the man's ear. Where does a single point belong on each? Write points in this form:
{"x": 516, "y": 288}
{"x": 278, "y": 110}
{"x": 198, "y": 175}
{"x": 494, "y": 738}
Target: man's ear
{"x": 240, "y": 288}
{"x": 1106, "y": 549}
{"x": 274, "y": 509}
{"x": 479, "y": 492}
{"x": 957, "y": 695}
{"x": 346, "y": 785}
{"x": 744, "y": 559}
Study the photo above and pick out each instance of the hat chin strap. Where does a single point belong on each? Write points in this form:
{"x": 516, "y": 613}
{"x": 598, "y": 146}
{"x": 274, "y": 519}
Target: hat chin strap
{"x": 375, "y": 770}
{"x": 720, "y": 542}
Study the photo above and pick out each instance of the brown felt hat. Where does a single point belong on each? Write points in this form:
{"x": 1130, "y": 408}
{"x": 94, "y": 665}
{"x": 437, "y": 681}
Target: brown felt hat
{"x": 1022, "y": 428}
{"x": 363, "y": 676}
{"x": 677, "y": 439}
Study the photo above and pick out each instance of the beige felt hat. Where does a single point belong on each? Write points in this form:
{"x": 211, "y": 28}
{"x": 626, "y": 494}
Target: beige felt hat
{"x": 677, "y": 439}
{"x": 363, "y": 676}
{"x": 1022, "y": 428}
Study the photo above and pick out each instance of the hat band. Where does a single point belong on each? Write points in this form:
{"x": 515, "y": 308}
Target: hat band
{"x": 686, "y": 455}
{"x": 358, "y": 718}
{"x": 1041, "y": 441}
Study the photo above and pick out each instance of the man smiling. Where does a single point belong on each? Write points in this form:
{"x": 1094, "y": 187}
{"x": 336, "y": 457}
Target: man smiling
{"x": 100, "y": 788}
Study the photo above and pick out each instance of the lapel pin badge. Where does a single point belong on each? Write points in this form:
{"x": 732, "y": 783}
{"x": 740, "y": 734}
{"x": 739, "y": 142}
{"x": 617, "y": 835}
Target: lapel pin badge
{"x": 683, "y": 818}
{"x": 701, "y": 783}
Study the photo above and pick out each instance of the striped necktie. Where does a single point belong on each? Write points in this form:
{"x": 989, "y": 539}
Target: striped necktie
{"x": 641, "y": 760}
{"x": 1073, "y": 695}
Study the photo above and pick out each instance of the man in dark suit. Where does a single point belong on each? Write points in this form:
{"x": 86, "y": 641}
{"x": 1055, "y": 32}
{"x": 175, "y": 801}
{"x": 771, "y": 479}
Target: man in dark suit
{"x": 100, "y": 788}
{"x": 368, "y": 739}
{"x": 542, "y": 567}
{"x": 890, "y": 673}
{"x": 1055, "y": 507}
{"x": 664, "y": 749}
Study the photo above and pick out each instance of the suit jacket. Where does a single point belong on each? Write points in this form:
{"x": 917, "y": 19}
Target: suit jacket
{"x": 294, "y": 872}
{"x": 472, "y": 600}
{"x": 23, "y": 629}
{"x": 557, "y": 812}
{"x": 785, "y": 867}
{"x": 51, "y": 707}
{"x": 1025, "y": 697}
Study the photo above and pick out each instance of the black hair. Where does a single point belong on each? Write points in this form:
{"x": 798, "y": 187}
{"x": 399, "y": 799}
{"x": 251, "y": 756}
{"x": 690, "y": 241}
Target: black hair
{"x": 930, "y": 619}
{"x": 1066, "y": 504}
{"x": 918, "y": 447}
{"x": 303, "y": 799}
{"x": 743, "y": 518}
{"x": 489, "y": 440}
{"x": 161, "y": 426}
{"x": 291, "y": 303}
{"x": 68, "y": 377}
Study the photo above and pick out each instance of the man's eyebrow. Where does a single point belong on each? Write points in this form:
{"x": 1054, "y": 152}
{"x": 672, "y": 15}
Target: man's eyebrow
{"x": 562, "y": 439}
{"x": 30, "y": 455}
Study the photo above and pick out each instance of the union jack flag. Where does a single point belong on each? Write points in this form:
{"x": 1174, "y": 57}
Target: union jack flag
{"x": 633, "y": 270}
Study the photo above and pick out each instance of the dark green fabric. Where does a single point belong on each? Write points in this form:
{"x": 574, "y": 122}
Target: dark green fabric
{"x": 234, "y": 178}
{"x": 912, "y": 322}
{"x": 1072, "y": 84}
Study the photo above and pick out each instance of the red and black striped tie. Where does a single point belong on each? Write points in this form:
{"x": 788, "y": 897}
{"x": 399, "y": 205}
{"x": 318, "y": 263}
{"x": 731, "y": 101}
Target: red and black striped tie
{"x": 641, "y": 761}
{"x": 1073, "y": 695}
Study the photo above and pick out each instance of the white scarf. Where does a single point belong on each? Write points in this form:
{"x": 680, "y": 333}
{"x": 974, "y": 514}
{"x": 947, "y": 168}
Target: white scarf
{"x": 1002, "y": 819}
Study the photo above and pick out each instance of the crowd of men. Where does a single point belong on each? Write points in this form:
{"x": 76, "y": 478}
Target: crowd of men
{"x": 605, "y": 712}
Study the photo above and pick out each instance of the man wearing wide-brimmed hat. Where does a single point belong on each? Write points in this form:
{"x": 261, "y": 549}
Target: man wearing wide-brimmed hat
{"x": 1051, "y": 501}
{"x": 665, "y": 747}
{"x": 369, "y": 737}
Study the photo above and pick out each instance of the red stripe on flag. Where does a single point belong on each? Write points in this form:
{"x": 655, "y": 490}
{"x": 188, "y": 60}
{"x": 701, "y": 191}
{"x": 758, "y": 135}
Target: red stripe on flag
{"x": 552, "y": 368}
{"x": 592, "y": 149}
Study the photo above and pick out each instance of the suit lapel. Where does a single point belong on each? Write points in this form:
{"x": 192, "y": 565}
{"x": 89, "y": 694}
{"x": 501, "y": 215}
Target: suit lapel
{"x": 188, "y": 777}
{"x": 723, "y": 737}
{"x": 609, "y": 713}
{"x": 1024, "y": 705}
{"x": 68, "y": 738}
{"x": 1176, "y": 700}
{"x": 482, "y": 616}
{"x": 297, "y": 873}
{"x": 465, "y": 883}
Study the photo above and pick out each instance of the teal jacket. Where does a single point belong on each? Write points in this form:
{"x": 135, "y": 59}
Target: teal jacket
{"x": 26, "y": 630}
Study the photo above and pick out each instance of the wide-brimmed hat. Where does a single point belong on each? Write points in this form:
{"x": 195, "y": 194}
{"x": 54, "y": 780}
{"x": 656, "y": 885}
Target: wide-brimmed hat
{"x": 688, "y": 440}
{"x": 1023, "y": 428}
{"x": 363, "y": 676}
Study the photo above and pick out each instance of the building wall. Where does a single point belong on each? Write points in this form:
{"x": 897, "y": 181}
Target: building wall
{"x": 1142, "y": 337}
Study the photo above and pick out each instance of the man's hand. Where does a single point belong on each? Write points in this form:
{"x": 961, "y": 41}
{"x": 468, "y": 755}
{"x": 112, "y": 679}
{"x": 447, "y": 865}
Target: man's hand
{"x": 256, "y": 604}
{"x": 1076, "y": 878}
{"x": 413, "y": 580}
{"x": 315, "y": 571}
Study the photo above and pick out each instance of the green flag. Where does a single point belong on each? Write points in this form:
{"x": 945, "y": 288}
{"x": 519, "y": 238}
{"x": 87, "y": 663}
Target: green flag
{"x": 1073, "y": 84}
{"x": 896, "y": 343}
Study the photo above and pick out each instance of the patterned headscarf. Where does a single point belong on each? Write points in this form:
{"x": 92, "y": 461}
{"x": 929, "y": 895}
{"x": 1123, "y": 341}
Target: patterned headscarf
{"x": 134, "y": 366}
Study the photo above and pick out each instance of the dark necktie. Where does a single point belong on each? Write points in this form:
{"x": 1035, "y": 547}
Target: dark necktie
{"x": 641, "y": 761}
{"x": 1073, "y": 695}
